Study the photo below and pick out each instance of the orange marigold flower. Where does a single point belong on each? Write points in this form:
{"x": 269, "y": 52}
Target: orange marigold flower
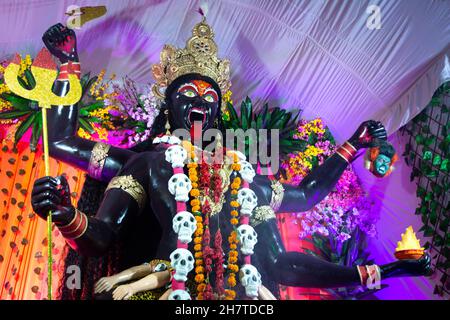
{"x": 235, "y": 186}
{"x": 201, "y": 287}
{"x": 233, "y": 253}
{"x": 237, "y": 180}
{"x": 195, "y": 202}
{"x": 230, "y": 294}
{"x": 192, "y": 165}
{"x": 231, "y": 281}
{"x": 198, "y": 254}
{"x": 234, "y": 192}
{"x": 199, "y": 278}
{"x": 199, "y": 269}
{"x": 194, "y": 185}
{"x": 233, "y": 246}
{"x": 199, "y": 218}
{"x": 198, "y": 240}
{"x": 199, "y": 262}
{"x": 234, "y": 204}
{"x": 234, "y": 213}
{"x": 232, "y": 259}
{"x": 195, "y": 192}
{"x": 198, "y": 247}
{"x": 195, "y": 208}
{"x": 234, "y": 221}
{"x": 194, "y": 179}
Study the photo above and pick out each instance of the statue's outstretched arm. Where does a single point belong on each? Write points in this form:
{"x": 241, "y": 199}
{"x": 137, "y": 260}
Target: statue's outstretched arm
{"x": 133, "y": 273}
{"x": 125, "y": 198}
{"x": 321, "y": 181}
{"x": 101, "y": 161}
{"x": 303, "y": 270}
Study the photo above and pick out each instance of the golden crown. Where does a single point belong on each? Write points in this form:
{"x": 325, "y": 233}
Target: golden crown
{"x": 199, "y": 56}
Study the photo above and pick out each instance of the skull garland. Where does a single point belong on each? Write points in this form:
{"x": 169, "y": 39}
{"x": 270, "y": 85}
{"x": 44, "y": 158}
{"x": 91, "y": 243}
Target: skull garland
{"x": 247, "y": 200}
{"x": 167, "y": 139}
{"x": 250, "y": 280}
{"x": 179, "y": 295}
{"x": 184, "y": 224}
{"x": 248, "y": 238}
{"x": 176, "y": 155}
{"x": 247, "y": 172}
{"x": 183, "y": 262}
{"x": 180, "y": 186}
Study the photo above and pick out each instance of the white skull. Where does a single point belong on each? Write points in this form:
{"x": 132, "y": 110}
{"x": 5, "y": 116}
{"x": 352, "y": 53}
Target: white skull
{"x": 247, "y": 172}
{"x": 250, "y": 280}
{"x": 180, "y": 186}
{"x": 184, "y": 225}
{"x": 248, "y": 238}
{"x": 167, "y": 139}
{"x": 247, "y": 200}
{"x": 179, "y": 295}
{"x": 183, "y": 262}
{"x": 176, "y": 155}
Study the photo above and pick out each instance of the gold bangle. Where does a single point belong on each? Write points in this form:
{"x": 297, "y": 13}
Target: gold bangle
{"x": 97, "y": 160}
{"x": 130, "y": 186}
{"x": 277, "y": 195}
{"x": 261, "y": 214}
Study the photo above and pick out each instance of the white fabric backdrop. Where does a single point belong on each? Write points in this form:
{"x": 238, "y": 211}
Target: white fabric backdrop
{"x": 316, "y": 55}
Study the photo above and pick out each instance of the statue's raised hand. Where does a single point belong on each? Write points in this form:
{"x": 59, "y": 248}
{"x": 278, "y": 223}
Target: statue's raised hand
{"x": 367, "y": 132}
{"x": 61, "y": 42}
{"x": 53, "y": 194}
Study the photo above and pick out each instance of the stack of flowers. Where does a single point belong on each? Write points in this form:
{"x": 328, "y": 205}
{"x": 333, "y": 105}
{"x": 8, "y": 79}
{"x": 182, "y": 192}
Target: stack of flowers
{"x": 344, "y": 212}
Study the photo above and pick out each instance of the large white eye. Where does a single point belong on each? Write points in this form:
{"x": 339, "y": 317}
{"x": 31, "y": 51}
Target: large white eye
{"x": 209, "y": 98}
{"x": 189, "y": 93}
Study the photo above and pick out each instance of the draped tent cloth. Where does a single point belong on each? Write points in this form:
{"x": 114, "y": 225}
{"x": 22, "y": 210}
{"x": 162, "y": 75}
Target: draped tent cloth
{"x": 315, "y": 55}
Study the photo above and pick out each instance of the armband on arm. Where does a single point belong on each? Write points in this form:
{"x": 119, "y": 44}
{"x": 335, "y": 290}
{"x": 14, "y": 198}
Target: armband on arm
{"x": 98, "y": 159}
{"x": 131, "y": 186}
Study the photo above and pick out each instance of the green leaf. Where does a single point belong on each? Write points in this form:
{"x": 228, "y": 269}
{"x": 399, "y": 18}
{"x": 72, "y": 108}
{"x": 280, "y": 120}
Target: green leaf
{"x": 437, "y": 160}
{"x": 443, "y": 226}
{"x": 86, "y": 125}
{"x": 23, "y": 83}
{"x": 445, "y": 165}
{"x": 13, "y": 114}
{"x": 24, "y": 126}
{"x": 420, "y": 139}
{"x": 21, "y": 104}
{"x": 30, "y": 78}
{"x": 37, "y": 130}
{"x": 427, "y": 155}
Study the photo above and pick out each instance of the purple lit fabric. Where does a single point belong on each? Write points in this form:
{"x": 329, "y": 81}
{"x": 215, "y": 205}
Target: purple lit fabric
{"x": 315, "y": 55}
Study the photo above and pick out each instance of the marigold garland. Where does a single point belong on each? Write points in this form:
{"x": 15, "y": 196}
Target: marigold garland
{"x": 232, "y": 239}
{"x": 198, "y": 235}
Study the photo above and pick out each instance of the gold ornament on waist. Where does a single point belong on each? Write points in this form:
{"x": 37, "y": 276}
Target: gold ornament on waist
{"x": 97, "y": 161}
{"x": 261, "y": 214}
{"x": 130, "y": 186}
{"x": 199, "y": 56}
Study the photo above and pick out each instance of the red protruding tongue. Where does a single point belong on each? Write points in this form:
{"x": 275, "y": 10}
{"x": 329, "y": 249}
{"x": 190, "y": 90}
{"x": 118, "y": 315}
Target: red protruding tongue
{"x": 196, "y": 133}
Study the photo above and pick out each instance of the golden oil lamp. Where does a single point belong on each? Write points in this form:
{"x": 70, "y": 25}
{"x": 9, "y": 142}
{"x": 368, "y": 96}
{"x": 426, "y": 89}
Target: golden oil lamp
{"x": 409, "y": 247}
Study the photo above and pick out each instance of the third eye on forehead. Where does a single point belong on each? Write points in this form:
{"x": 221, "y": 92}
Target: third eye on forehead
{"x": 199, "y": 88}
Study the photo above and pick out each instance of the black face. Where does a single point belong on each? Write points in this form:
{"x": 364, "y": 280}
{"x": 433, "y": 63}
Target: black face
{"x": 192, "y": 101}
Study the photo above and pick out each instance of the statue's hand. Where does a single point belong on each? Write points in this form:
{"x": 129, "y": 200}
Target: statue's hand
{"x": 123, "y": 292}
{"x": 420, "y": 267}
{"x": 53, "y": 194}
{"x": 366, "y": 134}
{"x": 61, "y": 42}
{"x": 105, "y": 284}
{"x": 408, "y": 268}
